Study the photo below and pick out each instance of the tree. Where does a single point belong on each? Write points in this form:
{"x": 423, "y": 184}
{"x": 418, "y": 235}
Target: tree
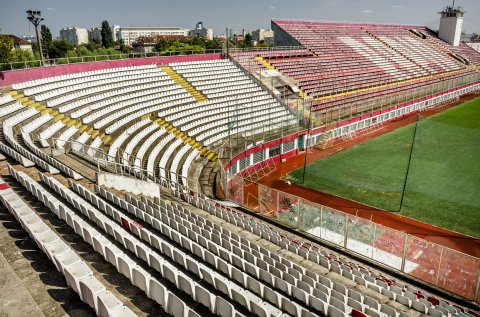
{"x": 46, "y": 35}
{"x": 162, "y": 45}
{"x": 6, "y": 49}
{"x": 59, "y": 49}
{"x": 213, "y": 45}
{"x": 248, "y": 40}
{"x": 122, "y": 46}
{"x": 107, "y": 38}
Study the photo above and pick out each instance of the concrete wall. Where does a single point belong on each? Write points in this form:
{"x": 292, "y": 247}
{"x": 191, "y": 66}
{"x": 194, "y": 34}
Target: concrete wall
{"x": 451, "y": 30}
{"x": 282, "y": 38}
{"x": 129, "y": 184}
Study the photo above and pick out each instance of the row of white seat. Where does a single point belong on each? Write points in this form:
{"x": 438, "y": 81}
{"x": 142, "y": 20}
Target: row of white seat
{"x": 4, "y": 99}
{"x": 40, "y": 158}
{"x": 10, "y": 108}
{"x": 239, "y": 114}
{"x": 128, "y": 157}
{"x": 139, "y": 113}
{"x": 215, "y": 103}
{"x": 47, "y": 133}
{"x": 155, "y": 152}
{"x": 251, "y": 127}
{"x": 77, "y": 273}
{"x": 69, "y": 94}
{"x": 46, "y": 80}
{"x": 121, "y": 93}
{"x": 56, "y": 93}
{"x": 118, "y": 142}
{"x": 167, "y": 155}
{"x": 115, "y": 111}
{"x": 88, "y": 79}
{"x": 186, "y": 166}
{"x": 8, "y": 125}
{"x": 124, "y": 100}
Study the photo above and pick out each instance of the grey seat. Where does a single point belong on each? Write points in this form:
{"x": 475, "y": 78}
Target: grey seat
{"x": 390, "y": 311}
{"x": 368, "y": 301}
{"x": 140, "y": 278}
{"x": 223, "y": 308}
{"x": 318, "y": 304}
{"x": 419, "y": 306}
{"x": 290, "y": 307}
{"x": 355, "y": 304}
{"x": 176, "y": 306}
{"x": 204, "y": 297}
{"x": 334, "y": 312}
{"x": 186, "y": 284}
{"x": 254, "y": 286}
{"x": 337, "y": 304}
{"x": 403, "y": 300}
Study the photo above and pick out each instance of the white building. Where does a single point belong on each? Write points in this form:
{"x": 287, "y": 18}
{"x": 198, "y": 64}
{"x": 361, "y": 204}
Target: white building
{"x": 451, "y": 21}
{"x": 130, "y": 34}
{"x": 200, "y": 30}
{"x": 263, "y": 35}
{"x": 74, "y": 35}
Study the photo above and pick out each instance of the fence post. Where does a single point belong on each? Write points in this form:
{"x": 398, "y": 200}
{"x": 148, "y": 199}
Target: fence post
{"x": 345, "y": 232}
{"x": 477, "y": 290}
{"x": 402, "y": 267}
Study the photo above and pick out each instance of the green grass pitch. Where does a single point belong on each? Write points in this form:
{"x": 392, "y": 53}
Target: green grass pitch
{"x": 443, "y": 185}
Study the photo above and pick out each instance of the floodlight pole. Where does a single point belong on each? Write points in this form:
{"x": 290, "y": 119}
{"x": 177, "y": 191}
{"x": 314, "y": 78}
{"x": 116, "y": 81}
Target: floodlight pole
{"x": 409, "y": 161}
{"x": 35, "y": 17}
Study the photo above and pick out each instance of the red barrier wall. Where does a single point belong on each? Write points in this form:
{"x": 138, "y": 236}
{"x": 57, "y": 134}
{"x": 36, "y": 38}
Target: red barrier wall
{"x": 17, "y": 76}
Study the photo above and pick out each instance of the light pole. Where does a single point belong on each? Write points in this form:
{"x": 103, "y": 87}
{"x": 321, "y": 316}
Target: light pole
{"x": 35, "y": 17}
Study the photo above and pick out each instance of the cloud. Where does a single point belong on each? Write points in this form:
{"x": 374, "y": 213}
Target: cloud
{"x": 397, "y": 6}
{"x": 366, "y": 11}
{"x": 272, "y": 8}
{"x": 50, "y": 9}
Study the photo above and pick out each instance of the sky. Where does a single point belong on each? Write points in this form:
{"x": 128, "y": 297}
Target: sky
{"x": 219, "y": 14}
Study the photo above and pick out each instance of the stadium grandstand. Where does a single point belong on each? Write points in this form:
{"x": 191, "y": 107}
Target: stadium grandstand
{"x": 130, "y": 156}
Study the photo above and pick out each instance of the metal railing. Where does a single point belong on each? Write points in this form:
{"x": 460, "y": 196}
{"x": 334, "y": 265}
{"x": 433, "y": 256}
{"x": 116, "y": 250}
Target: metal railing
{"x": 263, "y": 49}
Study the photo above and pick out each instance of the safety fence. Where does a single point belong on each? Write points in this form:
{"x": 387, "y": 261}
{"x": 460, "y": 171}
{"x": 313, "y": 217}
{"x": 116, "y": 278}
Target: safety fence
{"x": 443, "y": 267}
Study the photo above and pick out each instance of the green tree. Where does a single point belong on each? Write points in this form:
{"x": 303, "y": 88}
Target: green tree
{"x": 59, "y": 49}
{"x": 248, "y": 40}
{"x": 46, "y": 35}
{"x": 23, "y": 55}
{"x": 107, "y": 38}
{"x": 178, "y": 46}
{"x": 6, "y": 49}
{"x": 162, "y": 45}
{"x": 122, "y": 47}
{"x": 197, "y": 40}
{"x": 213, "y": 45}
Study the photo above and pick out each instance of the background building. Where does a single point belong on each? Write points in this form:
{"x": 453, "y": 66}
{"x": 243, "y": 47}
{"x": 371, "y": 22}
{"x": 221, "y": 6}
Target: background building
{"x": 131, "y": 34}
{"x": 263, "y": 35}
{"x": 19, "y": 43}
{"x": 200, "y": 30}
{"x": 95, "y": 35}
{"x": 74, "y": 35}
